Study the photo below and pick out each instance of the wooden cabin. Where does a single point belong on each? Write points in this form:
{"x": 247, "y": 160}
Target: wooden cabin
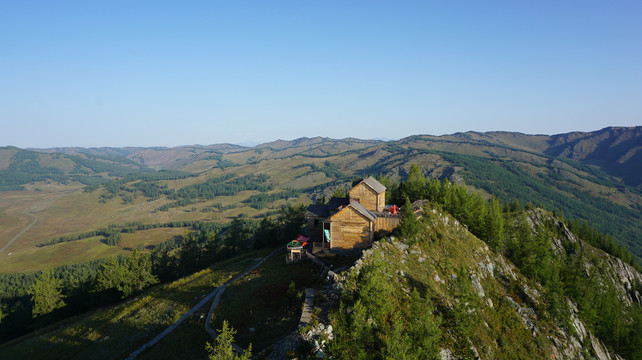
{"x": 352, "y": 227}
{"x": 352, "y": 223}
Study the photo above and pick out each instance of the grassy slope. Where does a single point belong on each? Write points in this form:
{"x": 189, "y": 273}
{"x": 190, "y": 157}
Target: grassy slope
{"x": 257, "y": 301}
{"x": 432, "y": 264}
{"x": 115, "y": 331}
{"x": 34, "y": 258}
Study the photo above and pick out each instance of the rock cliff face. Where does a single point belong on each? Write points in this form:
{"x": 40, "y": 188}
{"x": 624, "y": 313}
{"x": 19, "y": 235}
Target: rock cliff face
{"x": 511, "y": 314}
{"x": 621, "y": 275}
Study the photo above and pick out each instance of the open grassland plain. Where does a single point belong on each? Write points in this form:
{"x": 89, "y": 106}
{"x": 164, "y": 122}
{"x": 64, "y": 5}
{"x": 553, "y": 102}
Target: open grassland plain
{"x": 64, "y": 210}
{"x": 113, "y": 332}
{"x": 15, "y": 207}
{"x": 32, "y": 259}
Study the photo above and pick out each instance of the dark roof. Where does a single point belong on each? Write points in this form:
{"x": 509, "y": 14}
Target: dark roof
{"x": 316, "y": 210}
{"x": 319, "y": 210}
{"x": 363, "y": 211}
{"x": 335, "y": 203}
{"x": 374, "y": 185}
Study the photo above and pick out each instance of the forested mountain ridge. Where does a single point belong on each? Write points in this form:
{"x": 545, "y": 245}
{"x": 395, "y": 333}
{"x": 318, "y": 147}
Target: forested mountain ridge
{"x": 442, "y": 292}
{"x": 616, "y": 150}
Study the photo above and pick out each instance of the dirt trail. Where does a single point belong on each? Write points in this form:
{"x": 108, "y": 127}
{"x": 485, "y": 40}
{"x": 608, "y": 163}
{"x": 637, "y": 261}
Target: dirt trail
{"x": 35, "y": 219}
{"x": 216, "y": 293}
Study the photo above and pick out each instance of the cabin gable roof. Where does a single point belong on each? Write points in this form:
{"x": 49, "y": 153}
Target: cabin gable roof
{"x": 362, "y": 210}
{"x": 359, "y": 209}
{"x": 373, "y": 184}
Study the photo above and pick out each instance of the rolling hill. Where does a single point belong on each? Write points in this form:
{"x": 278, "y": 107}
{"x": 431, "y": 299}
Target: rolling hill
{"x": 573, "y": 174}
{"x": 19, "y": 167}
{"x": 617, "y": 151}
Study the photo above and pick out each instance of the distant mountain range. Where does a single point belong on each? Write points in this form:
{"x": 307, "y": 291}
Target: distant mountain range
{"x": 615, "y": 150}
{"x": 592, "y": 176}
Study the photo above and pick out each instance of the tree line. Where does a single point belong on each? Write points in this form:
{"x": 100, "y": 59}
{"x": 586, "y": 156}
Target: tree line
{"x": 483, "y": 217}
{"x": 507, "y": 229}
{"x": 260, "y": 201}
{"x": 114, "y": 231}
{"x": 145, "y": 183}
{"x": 31, "y": 301}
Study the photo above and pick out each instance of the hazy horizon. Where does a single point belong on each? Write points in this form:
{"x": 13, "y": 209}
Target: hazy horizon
{"x": 253, "y": 144}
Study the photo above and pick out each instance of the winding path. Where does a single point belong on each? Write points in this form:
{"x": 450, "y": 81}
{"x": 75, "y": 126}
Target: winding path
{"x": 216, "y": 292}
{"x": 35, "y": 219}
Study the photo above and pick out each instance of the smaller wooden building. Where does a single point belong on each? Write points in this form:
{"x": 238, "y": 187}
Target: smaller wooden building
{"x": 370, "y": 193}
{"x": 296, "y": 250}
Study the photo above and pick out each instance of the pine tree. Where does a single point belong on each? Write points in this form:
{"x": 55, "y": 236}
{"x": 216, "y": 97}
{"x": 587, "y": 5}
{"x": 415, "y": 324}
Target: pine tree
{"x": 110, "y": 275}
{"x": 222, "y": 348}
{"x": 139, "y": 273}
{"x": 45, "y": 294}
{"x": 416, "y": 183}
{"x": 390, "y": 186}
{"x": 131, "y": 276}
{"x": 189, "y": 254}
{"x": 409, "y": 225}
{"x": 340, "y": 193}
{"x": 424, "y": 331}
{"x": 493, "y": 231}
{"x": 266, "y": 234}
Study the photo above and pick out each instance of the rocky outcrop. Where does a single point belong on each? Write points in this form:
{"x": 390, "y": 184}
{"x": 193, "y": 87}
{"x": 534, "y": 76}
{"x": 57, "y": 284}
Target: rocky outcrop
{"x": 622, "y": 275}
{"x": 493, "y": 279}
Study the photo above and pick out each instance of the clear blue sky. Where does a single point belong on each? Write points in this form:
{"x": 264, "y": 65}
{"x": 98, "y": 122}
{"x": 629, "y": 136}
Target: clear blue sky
{"x": 157, "y": 73}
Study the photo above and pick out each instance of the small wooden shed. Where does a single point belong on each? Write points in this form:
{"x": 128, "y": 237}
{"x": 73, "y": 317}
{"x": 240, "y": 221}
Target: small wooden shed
{"x": 296, "y": 250}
